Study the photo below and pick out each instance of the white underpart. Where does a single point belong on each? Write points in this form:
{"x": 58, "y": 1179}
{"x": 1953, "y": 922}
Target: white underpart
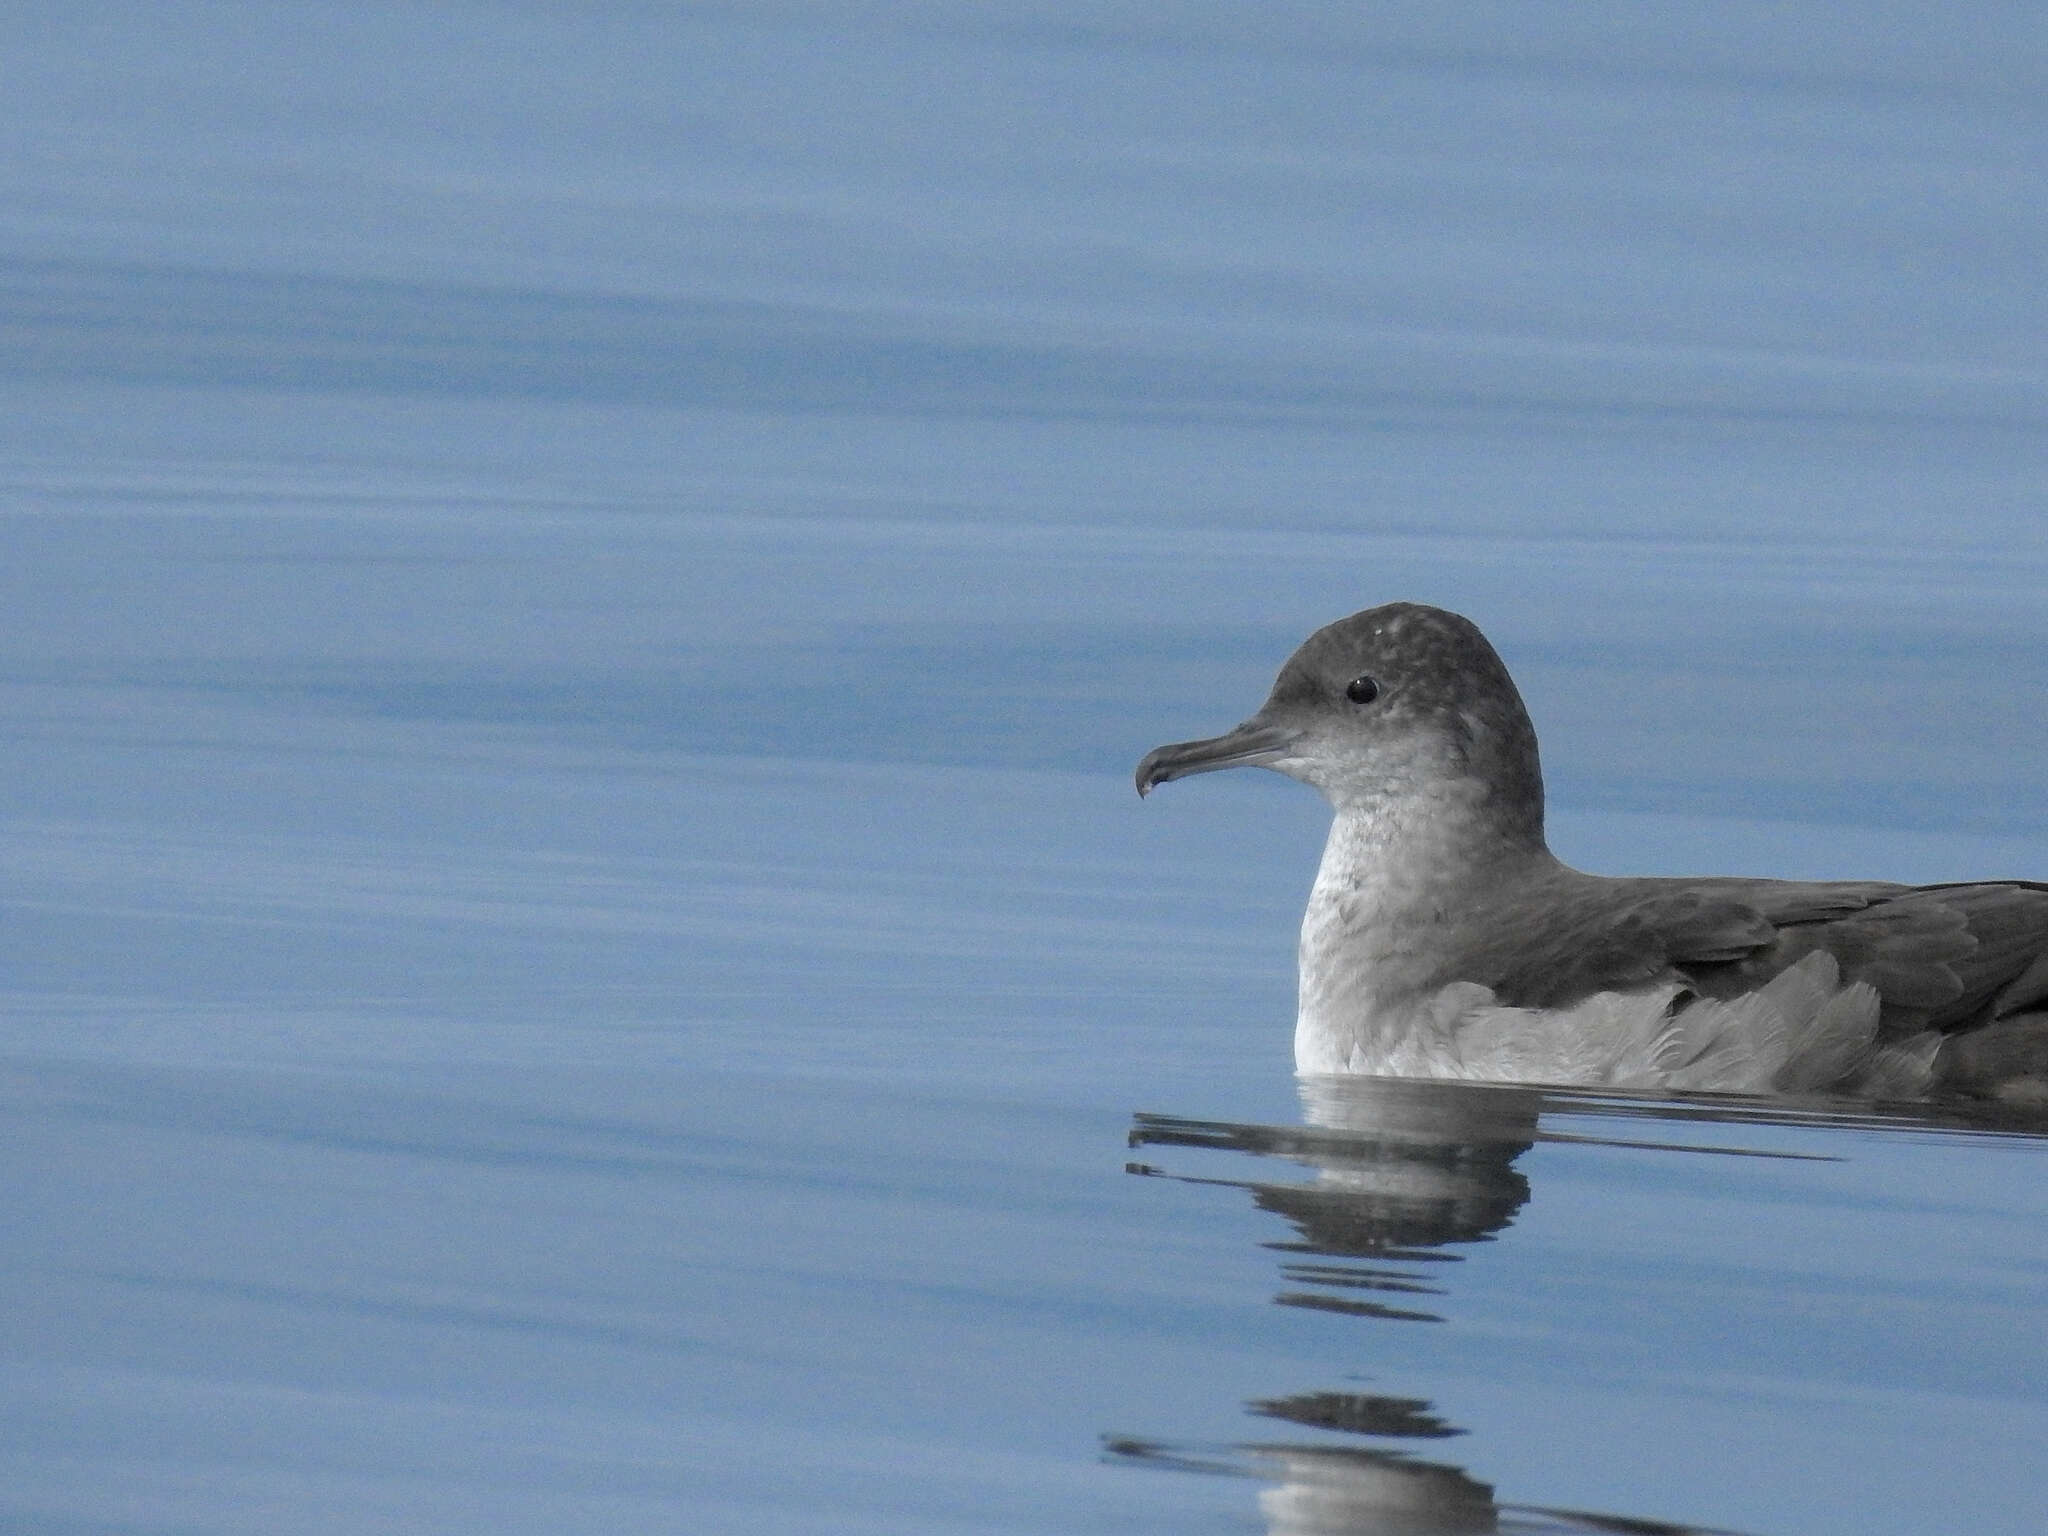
{"x": 1369, "y": 1006}
{"x": 1804, "y": 1031}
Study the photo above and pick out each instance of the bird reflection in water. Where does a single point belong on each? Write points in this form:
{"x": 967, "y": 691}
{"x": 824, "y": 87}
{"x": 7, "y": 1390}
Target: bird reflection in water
{"x": 1407, "y": 1171}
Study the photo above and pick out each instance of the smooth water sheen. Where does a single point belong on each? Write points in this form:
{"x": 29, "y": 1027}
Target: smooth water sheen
{"x": 579, "y": 589}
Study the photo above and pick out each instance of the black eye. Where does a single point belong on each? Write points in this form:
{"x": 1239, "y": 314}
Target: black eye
{"x": 1361, "y": 690}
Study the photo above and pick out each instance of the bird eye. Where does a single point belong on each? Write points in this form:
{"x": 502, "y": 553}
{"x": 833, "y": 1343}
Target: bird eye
{"x": 1362, "y": 690}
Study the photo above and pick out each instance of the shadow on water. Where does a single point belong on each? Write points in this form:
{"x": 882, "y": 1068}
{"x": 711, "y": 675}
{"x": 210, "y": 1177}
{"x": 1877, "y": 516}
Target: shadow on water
{"x": 1407, "y": 1173}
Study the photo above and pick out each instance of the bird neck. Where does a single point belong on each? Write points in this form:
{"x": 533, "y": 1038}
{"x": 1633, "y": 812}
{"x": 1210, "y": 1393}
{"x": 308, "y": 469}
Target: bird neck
{"x": 1408, "y": 847}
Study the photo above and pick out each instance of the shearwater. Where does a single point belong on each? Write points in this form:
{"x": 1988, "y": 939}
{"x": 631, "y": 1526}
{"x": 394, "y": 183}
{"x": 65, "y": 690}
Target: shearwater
{"x": 1443, "y": 938}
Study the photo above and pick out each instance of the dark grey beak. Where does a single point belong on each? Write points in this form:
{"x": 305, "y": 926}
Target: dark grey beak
{"x": 1253, "y": 744}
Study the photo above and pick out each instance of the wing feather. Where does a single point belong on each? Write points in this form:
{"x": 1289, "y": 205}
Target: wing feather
{"x": 1941, "y": 956}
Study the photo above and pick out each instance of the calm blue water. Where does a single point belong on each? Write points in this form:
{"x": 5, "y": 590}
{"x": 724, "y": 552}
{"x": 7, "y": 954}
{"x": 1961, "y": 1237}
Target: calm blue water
{"x": 579, "y": 588}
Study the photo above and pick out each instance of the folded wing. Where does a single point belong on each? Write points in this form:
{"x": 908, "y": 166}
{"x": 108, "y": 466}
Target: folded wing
{"x": 1968, "y": 960}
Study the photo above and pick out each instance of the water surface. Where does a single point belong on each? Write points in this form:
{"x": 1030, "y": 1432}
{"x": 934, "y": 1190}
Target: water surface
{"x": 579, "y": 588}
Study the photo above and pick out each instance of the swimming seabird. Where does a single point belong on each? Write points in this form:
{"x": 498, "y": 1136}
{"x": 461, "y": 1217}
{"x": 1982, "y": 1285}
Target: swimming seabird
{"x": 1443, "y": 939}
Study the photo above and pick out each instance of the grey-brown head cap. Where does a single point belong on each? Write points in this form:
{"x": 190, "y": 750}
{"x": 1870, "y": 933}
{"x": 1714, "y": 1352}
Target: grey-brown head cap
{"x": 1369, "y": 703}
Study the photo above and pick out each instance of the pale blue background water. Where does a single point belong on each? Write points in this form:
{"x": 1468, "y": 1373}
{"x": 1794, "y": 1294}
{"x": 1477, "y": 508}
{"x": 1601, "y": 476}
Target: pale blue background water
{"x": 578, "y": 591}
